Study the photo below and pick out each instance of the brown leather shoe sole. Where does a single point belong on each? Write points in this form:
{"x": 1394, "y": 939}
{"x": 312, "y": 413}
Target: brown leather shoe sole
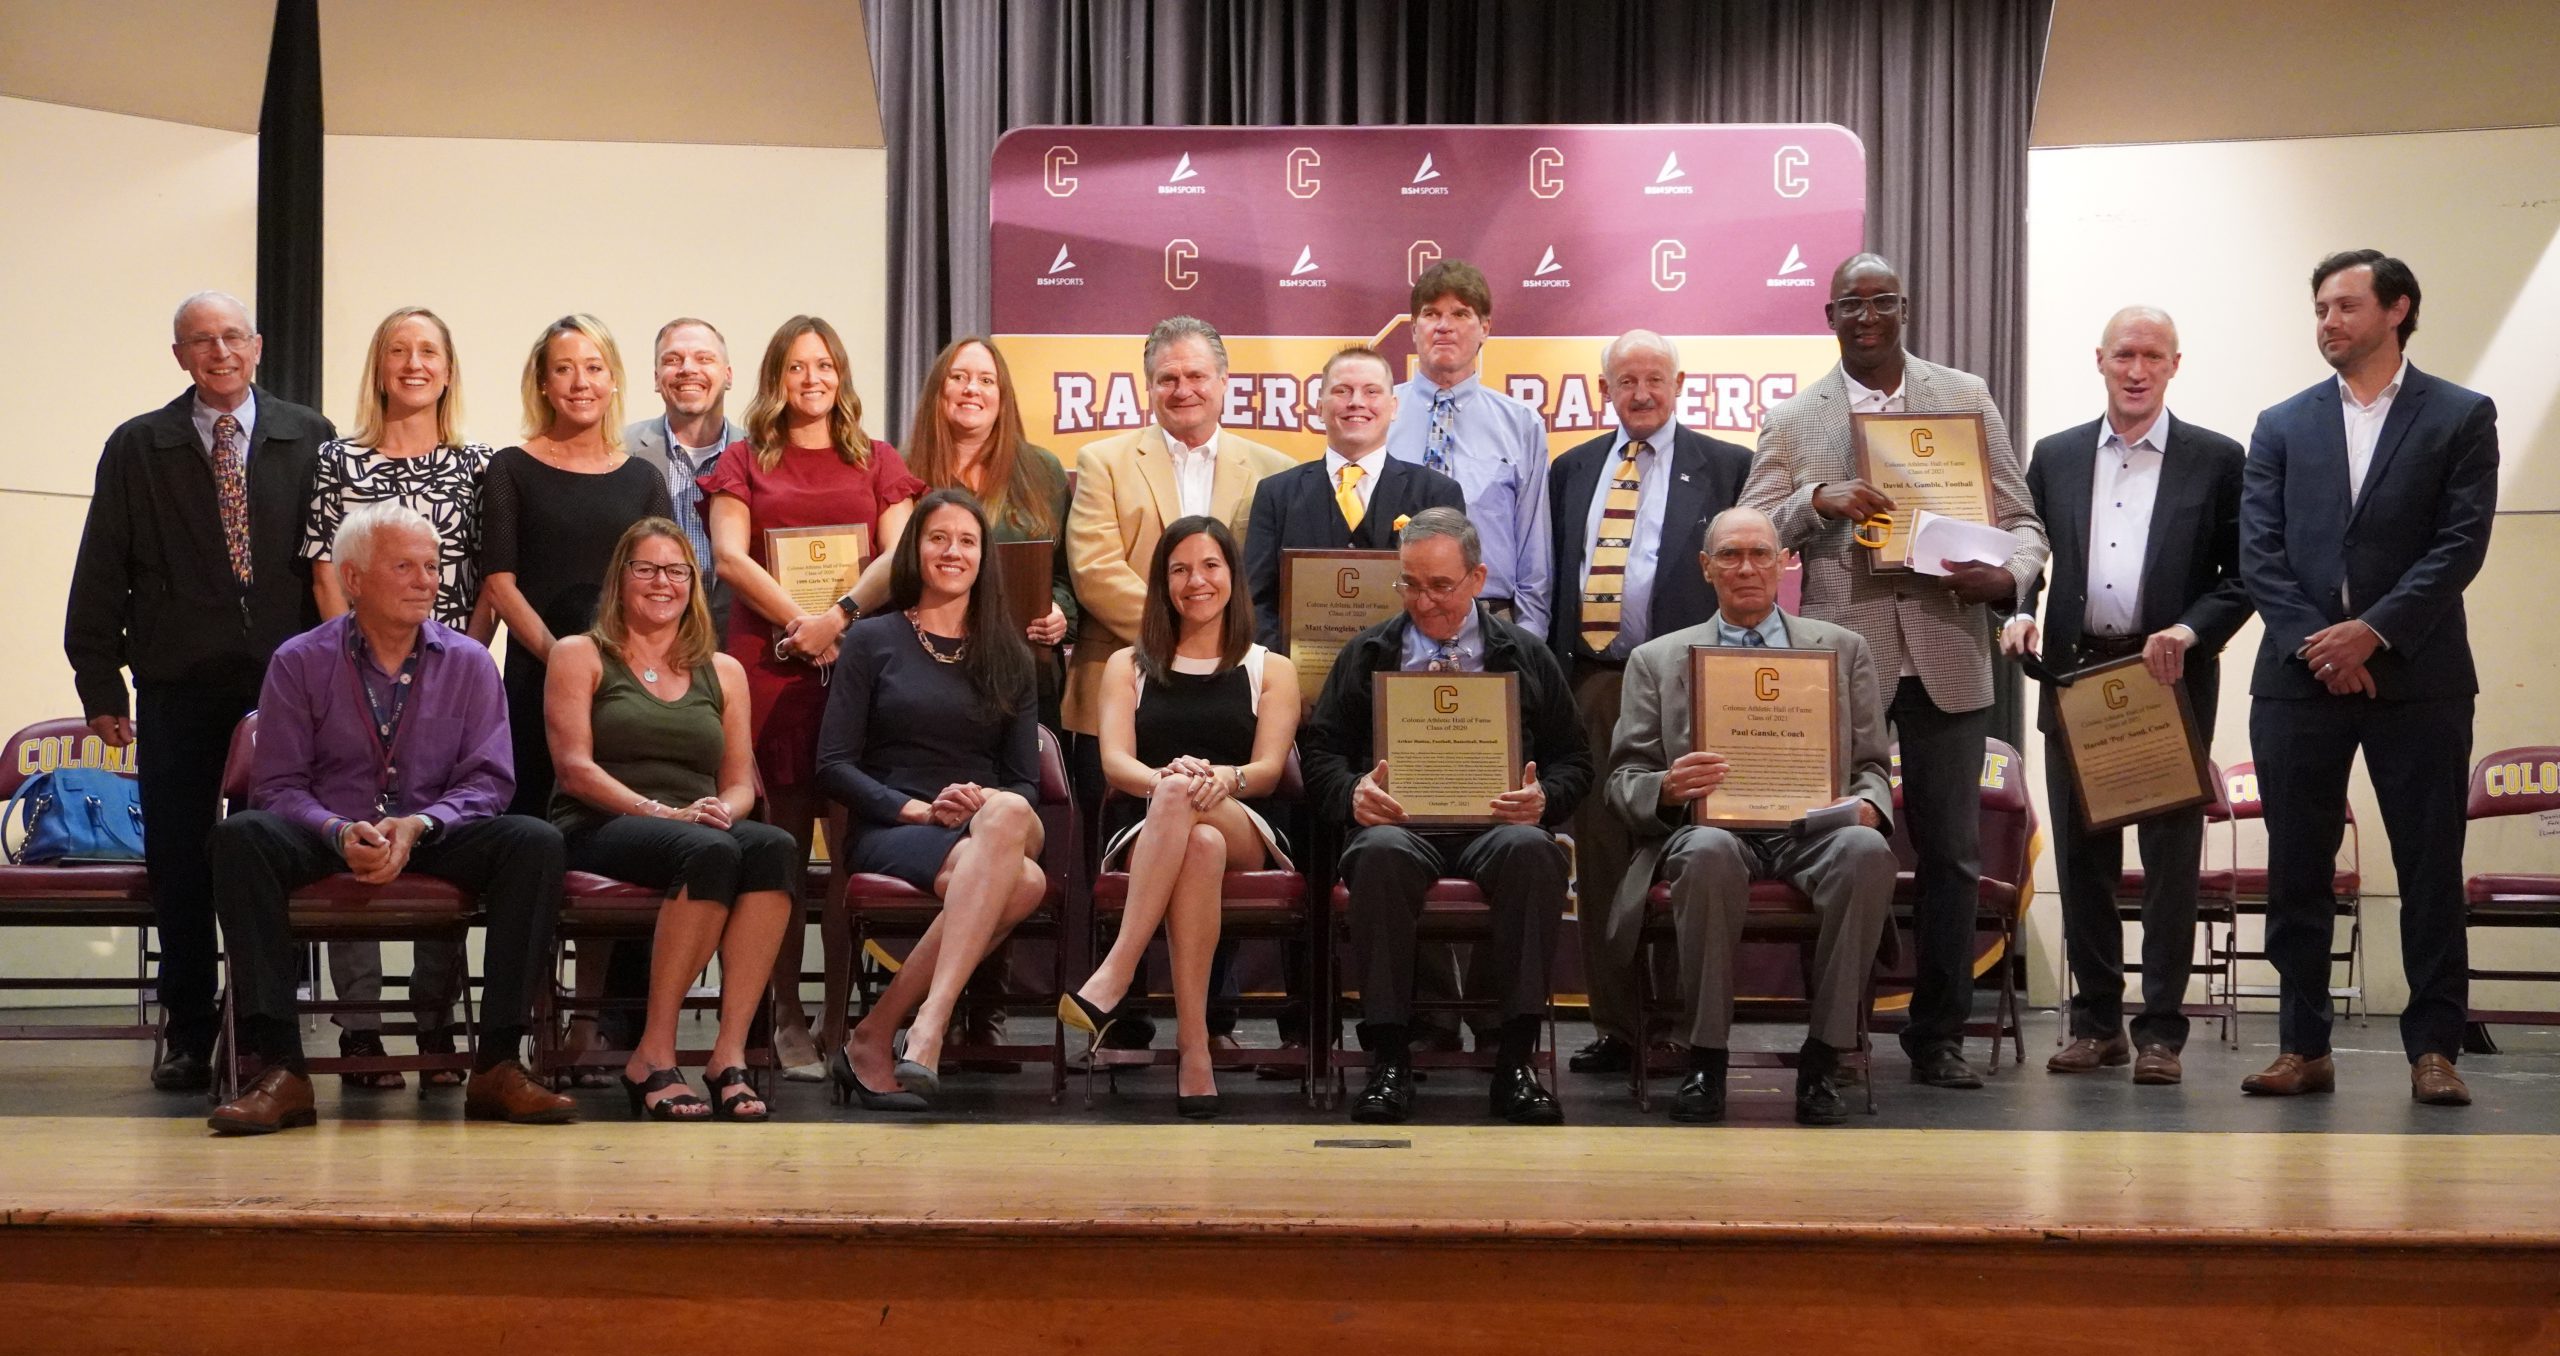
{"x": 242, "y": 1125}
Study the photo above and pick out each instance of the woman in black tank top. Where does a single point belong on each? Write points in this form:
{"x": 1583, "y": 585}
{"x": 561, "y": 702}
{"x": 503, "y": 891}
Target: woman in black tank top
{"x": 1196, "y": 722}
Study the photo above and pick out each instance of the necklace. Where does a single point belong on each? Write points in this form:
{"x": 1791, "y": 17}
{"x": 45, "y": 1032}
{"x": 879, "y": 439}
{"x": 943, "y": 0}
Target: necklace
{"x": 956, "y": 653}
{"x": 649, "y": 674}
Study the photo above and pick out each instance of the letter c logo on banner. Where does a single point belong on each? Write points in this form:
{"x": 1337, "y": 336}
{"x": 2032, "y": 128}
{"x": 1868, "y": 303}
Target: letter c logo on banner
{"x": 2113, "y": 691}
{"x": 1764, "y": 684}
{"x": 1444, "y": 699}
{"x": 1346, "y": 582}
{"x": 1921, "y": 446}
{"x": 1546, "y": 171}
{"x": 1665, "y": 277}
{"x": 1788, "y": 171}
{"x": 1053, "y": 171}
{"x": 1421, "y": 256}
{"x": 1302, "y": 180}
{"x": 1178, "y": 273}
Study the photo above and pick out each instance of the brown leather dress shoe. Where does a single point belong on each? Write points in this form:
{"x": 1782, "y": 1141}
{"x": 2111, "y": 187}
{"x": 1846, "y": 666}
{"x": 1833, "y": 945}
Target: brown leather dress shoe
{"x": 279, "y": 1100}
{"x": 2432, "y": 1082}
{"x": 2157, "y": 1065}
{"x": 2291, "y": 1076}
{"x": 508, "y": 1093}
{"x": 2090, "y": 1052}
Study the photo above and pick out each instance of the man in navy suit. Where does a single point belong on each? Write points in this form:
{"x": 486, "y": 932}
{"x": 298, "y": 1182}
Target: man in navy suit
{"x": 1628, "y": 515}
{"x": 2366, "y": 513}
{"x": 2143, "y": 511}
{"x": 1353, "y": 498}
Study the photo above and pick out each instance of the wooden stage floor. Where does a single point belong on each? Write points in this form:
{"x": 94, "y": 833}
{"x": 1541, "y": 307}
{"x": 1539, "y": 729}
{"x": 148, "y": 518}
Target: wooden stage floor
{"x": 146, "y": 1234}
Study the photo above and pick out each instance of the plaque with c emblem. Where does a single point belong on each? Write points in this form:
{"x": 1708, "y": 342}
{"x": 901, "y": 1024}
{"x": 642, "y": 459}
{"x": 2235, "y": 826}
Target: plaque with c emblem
{"x": 1775, "y": 715}
{"x": 816, "y": 565}
{"x": 1451, "y": 742}
{"x": 1938, "y": 462}
{"x": 2133, "y": 744}
{"x": 1326, "y": 598}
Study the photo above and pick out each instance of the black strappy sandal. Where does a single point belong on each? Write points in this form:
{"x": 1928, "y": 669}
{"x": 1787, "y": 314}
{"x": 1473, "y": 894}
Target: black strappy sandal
{"x": 665, "y": 1108}
{"x": 725, "y": 1107}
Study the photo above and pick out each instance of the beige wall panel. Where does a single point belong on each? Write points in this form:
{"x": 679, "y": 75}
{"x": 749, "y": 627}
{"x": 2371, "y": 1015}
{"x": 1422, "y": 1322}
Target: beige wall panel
{"x": 502, "y": 237}
{"x": 192, "y": 61}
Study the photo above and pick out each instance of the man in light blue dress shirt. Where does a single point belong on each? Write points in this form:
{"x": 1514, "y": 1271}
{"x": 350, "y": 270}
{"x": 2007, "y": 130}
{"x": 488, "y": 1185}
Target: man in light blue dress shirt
{"x": 1494, "y": 446}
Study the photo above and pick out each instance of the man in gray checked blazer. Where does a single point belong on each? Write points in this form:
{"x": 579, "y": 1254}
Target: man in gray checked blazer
{"x": 1931, "y": 636}
{"x": 1658, "y": 772}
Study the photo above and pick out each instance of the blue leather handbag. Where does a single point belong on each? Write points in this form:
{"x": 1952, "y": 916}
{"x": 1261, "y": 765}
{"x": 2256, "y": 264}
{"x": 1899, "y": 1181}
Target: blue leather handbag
{"x": 76, "y": 814}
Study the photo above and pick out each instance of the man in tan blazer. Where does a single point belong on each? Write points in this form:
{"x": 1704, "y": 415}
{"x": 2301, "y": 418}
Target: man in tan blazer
{"x": 1128, "y": 487}
{"x": 1930, "y": 635}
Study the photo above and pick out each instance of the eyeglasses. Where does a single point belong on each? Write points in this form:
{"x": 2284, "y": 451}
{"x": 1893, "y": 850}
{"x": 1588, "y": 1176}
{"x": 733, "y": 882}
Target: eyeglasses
{"x": 1758, "y": 557}
{"x": 650, "y": 572}
{"x": 1887, "y": 304}
{"x": 1437, "y": 591}
{"x": 228, "y": 339}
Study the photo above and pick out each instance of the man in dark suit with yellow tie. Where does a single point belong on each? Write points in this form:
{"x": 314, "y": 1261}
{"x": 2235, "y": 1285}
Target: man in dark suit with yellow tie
{"x": 2143, "y": 512}
{"x": 2366, "y": 513}
{"x": 1629, "y": 513}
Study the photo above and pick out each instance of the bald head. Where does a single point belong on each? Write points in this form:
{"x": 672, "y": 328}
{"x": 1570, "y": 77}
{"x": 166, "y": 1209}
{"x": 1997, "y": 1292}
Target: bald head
{"x": 2150, "y": 315}
{"x": 2137, "y": 355}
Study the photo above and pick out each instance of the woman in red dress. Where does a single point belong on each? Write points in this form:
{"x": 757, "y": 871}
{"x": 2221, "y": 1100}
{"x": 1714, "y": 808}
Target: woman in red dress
{"x": 805, "y": 462}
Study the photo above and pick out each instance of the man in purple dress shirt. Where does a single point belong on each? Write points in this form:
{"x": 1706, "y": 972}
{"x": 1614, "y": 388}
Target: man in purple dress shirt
{"x": 383, "y": 748}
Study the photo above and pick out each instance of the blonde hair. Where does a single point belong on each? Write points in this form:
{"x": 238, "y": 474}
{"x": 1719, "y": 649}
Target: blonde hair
{"x": 538, "y": 413}
{"x": 372, "y": 410}
{"x": 768, "y": 412}
{"x": 694, "y": 642}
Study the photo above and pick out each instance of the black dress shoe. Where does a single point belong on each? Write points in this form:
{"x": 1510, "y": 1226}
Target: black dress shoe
{"x": 1944, "y": 1066}
{"x": 1388, "y": 1100}
{"x": 183, "y": 1071}
{"x": 1700, "y": 1100}
{"x": 1818, "y": 1103}
{"x": 1607, "y": 1055}
{"x": 1518, "y": 1098}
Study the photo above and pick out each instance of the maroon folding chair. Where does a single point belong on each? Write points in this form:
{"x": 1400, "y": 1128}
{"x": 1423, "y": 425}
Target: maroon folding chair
{"x": 2249, "y": 899}
{"x": 339, "y": 908}
{"x": 86, "y": 895}
{"x": 1264, "y": 905}
{"x": 878, "y": 908}
{"x": 2008, "y": 828}
{"x": 2524, "y": 780}
{"x": 601, "y": 909}
{"x": 2217, "y": 904}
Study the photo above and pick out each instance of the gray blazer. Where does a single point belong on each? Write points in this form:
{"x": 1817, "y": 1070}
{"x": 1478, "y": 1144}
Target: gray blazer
{"x": 1805, "y": 444}
{"x": 1653, "y": 730}
{"x": 647, "y": 440}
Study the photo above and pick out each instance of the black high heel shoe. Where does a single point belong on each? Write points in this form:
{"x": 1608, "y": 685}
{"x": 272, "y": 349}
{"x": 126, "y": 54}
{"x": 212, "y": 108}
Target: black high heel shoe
{"x": 665, "y": 1108}
{"x": 843, "y": 1089}
{"x": 1202, "y": 1108}
{"x": 725, "y": 1107}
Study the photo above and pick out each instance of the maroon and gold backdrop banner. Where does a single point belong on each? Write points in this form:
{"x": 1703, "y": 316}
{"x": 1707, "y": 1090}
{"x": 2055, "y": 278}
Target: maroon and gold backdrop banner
{"x": 1294, "y": 241}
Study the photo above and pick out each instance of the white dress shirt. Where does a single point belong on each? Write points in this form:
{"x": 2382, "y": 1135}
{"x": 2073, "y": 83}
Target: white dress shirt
{"x": 1653, "y": 499}
{"x": 1195, "y": 472}
{"x": 2364, "y": 426}
{"x": 1367, "y": 489}
{"x": 2123, "y": 486}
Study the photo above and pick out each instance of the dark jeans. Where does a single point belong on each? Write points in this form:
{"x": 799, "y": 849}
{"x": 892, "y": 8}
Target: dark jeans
{"x": 1387, "y": 869}
{"x": 189, "y": 728}
{"x": 511, "y": 865}
{"x": 2091, "y": 866}
{"x": 1942, "y": 807}
{"x": 715, "y": 865}
{"x": 2419, "y": 754}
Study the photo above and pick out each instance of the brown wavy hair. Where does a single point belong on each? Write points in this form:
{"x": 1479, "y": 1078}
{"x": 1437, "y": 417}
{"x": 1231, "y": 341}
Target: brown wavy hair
{"x": 1023, "y": 487}
{"x": 766, "y": 414}
{"x": 695, "y": 643}
{"x": 1160, "y": 628}
{"x": 998, "y": 664}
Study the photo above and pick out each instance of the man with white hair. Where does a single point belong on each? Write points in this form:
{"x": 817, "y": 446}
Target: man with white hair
{"x": 1625, "y": 504}
{"x": 190, "y": 573}
{"x": 383, "y": 748}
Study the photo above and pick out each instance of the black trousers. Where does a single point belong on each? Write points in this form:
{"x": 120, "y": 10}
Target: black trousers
{"x": 2419, "y": 755}
{"x": 2091, "y": 865}
{"x": 1520, "y": 868}
{"x": 512, "y": 864}
{"x": 189, "y": 728}
{"x": 1942, "y": 802}
{"x": 716, "y": 865}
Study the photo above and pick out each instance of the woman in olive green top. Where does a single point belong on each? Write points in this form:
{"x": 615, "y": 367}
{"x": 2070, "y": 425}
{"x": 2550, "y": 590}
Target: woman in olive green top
{"x": 649, "y": 736}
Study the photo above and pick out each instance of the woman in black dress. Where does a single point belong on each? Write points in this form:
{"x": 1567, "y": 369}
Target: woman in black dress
{"x": 931, "y": 737}
{"x": 550, "y": 514}
{"x": 1196, "y": 718}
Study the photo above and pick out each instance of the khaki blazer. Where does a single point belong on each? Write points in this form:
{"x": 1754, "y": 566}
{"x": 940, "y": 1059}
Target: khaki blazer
{"x": 1125, "y": 494}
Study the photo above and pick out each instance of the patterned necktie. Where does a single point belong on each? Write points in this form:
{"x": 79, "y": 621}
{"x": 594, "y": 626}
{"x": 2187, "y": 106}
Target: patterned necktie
{"x": 231, "y": 492}
{"x": 1604, "y": 590}
{"x": 1445, "y": 660}
{"x": 1753, "y": 640}
{"x": 1347, "y": 495}
{"x": 1435, "y": 444}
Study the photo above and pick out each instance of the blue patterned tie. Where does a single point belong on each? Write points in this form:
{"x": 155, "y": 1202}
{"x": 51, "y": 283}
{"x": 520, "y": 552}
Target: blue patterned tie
{"x": 1753, "y": 640}
{"x": 1435, "y": 445}
{"x": 1446, "y": 661}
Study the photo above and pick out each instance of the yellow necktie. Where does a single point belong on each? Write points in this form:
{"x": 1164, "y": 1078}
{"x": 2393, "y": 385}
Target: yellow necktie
{"x": 1604, "y": 587}
{"x": 1348, "y": 496}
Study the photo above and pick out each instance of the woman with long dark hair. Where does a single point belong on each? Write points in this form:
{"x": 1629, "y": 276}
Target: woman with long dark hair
{"x": 931, "y": 738}
{"x": 1196, "y": 720}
